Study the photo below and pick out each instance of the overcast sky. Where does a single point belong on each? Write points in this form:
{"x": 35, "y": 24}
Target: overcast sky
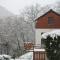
{"x": 15, "y": 5}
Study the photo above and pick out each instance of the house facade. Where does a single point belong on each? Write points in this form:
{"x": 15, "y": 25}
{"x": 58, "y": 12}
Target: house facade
{"x": 46, "y": 23}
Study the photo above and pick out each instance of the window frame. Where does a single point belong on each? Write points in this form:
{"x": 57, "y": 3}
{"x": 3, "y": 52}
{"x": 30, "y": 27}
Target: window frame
{"x": 50, "y": 20}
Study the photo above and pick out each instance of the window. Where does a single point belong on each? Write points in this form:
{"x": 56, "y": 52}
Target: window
{"x": 50, "y": 20}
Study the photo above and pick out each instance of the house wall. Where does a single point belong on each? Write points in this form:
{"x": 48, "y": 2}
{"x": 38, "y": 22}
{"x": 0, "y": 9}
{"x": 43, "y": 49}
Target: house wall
{"x": 42, "y": 22}
{"x": 43, "y": 26}
{"x": 38, "y": 35}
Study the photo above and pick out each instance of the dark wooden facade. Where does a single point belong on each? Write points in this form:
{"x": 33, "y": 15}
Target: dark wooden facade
{"x": 43, "y": 21}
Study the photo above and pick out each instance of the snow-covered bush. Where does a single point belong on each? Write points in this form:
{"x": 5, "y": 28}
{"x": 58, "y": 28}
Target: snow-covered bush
{"x": 52, "y": 44}
{"x": 5, "y": 57}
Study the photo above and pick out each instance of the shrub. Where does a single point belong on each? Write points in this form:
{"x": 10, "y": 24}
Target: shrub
{"x": 52, "y": 47}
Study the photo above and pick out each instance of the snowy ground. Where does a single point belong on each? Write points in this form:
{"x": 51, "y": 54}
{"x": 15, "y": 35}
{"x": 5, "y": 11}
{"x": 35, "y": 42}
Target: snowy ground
{"x": 27, "y": 56}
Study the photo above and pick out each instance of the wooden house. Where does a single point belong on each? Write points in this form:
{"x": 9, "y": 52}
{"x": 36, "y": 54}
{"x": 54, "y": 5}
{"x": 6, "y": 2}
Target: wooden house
{"x": 45, "y": 23}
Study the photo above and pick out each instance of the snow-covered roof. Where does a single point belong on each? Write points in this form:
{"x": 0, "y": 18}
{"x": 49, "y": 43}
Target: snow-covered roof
{"x": 39, "y": 50}
{"x": 43, "y": 12}
{"x": 55, "y": 7}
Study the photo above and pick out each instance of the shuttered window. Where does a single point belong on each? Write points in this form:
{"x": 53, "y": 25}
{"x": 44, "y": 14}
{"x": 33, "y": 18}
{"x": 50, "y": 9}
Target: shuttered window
{"x": 50, "y": 20}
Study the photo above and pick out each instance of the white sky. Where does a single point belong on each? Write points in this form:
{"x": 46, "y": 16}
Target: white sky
{"x": 15, "y": 6}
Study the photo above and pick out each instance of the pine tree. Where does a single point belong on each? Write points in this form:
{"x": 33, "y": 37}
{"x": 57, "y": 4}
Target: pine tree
{"x": 52, "y": 47}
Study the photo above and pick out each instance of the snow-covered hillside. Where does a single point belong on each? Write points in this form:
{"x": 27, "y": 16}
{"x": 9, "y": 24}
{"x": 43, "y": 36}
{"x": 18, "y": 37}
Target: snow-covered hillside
{"x": 4, "y": 12}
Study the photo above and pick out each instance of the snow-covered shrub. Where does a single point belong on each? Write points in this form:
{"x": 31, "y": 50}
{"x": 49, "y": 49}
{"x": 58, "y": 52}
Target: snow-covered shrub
{"x": 5, "y": 57}
{"x": 52, "y": 45}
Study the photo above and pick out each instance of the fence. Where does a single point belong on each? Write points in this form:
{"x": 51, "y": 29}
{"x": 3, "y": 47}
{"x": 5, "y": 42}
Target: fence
{"x": 35, "y": 55}
{"x": 39, "y": 55}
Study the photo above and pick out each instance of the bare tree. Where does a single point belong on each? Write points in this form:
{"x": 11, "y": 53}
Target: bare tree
{"x": 29, "y": 14}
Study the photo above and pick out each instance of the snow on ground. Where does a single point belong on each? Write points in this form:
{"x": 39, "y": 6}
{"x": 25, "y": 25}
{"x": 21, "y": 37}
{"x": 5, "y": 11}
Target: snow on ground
{"x": 53, "y": 34}
{"x": 6, "y": 56}
{"x": 27, "y": 56}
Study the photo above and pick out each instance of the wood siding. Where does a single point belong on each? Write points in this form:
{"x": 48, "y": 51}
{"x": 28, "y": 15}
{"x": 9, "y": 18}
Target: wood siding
{"x": 42, "y": 22}
{"x": 39, "y": 55}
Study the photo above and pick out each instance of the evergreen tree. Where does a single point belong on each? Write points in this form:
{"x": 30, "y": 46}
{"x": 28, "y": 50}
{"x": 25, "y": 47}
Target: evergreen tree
{"x": 52, "y": 47}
